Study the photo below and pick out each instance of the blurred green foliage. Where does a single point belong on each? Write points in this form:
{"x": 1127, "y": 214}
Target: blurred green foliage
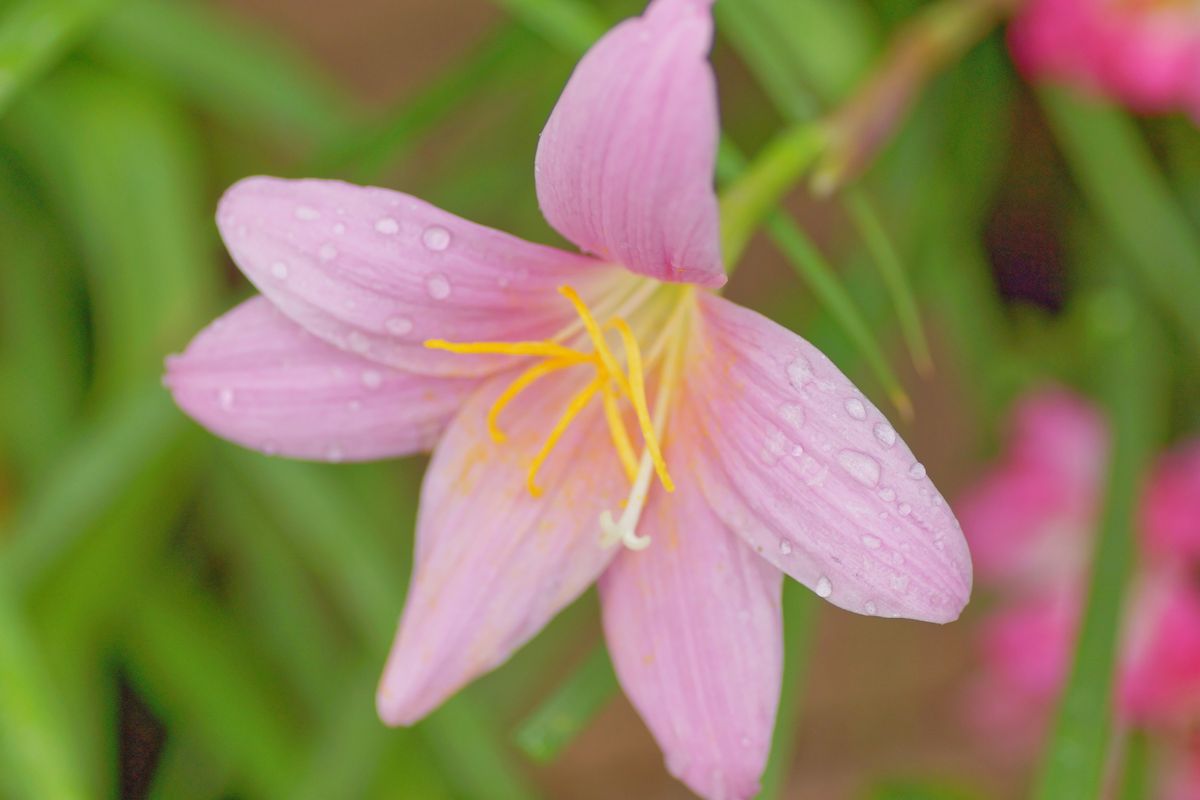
{"x": 249, "y": 602}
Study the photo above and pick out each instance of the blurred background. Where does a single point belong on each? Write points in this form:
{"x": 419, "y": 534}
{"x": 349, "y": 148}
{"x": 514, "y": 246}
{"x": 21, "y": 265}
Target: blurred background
{"x": 183, "y": 619}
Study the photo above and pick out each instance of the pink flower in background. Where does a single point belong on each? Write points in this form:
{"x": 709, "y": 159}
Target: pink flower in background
{"x": 577, "y": 402}
{"x": 1031, "y": 525}
{"x": 1143, "y": 53}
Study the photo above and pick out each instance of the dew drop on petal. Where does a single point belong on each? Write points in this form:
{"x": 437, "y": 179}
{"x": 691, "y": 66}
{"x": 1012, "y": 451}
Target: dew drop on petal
{"x": 862, "y": 467}
{"x": 358, "y": 343}
{"x": 775, "y": 447}
{"x": 279, "y": 270}
{"x": 917, "y": 470}
{"x": 856, "y": 409}
{"x": 327, "y": 252}
{"x": 799, "y": 372}
{"x": 339, "y": 228}
{"x": 436, "y": 238}
{"x": 887, "y": 494}
{"x": 904, "y": 509}
{"x": 354, "y": 405}
{"x": 306, "y": 212}
{"x": 438, "y": 286}
{"x": 886, "y": 434}
{"x": 870, "y": 608}
{"x": 372, "y": 379}
{"x": 792, "y": 414}
{"x": 225, "y": 399}
{"x": 785, "y": 547}
{"x": 824, "y": 587}
{"x": 870, "y": 542}
{"x": 398, "y": 326}
{"x": 388, "y": 226}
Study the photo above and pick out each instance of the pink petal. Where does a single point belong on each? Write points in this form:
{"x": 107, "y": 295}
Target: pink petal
{"x": 493, "y": 564}
{"x": 810, "y": 474}
{"x": 377, "y": 273}
{"x": 1171, "y": 509}
{"x": 625, "y": 165}
{"x": 255, "y": 377}
{"x": 1160, "y": 680}
{"x": 694, "y": 629}
{"x": 1031, "y": 519}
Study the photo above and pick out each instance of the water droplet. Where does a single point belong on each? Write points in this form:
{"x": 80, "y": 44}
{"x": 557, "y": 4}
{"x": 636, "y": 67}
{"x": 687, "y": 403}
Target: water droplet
{"x": 279, "y": 270}
{"x": 870, "y": 542}
{"x": 870, "y": 608}
{"x": 746, "y": 741}
{"x": 861, "y": 466}
{"x": 354, "y": 405}
{"x": 813, "y": 472}
{"x": 887, "y": 494}
{"x": 334, "y": 454}
{"x": 886, "y": 434}
{"x": 785, "y": 547}
{"x": 799, "y": 372}
{"x": 398, "y": 325}
{"x": 436, "y": 238}
{"x": 792, "y": 414}
{"x": 904, "y": 509}
{"x": 225, "y": 399}
{"x": 856, "y": 409}
{"x": 917, "y": 470}
{"x": 305, "y": 212}
{"x": 339, "y": 228}
{"x": 372, "y": 379}
{"x": 824, "y": 587}
{"x": 899, "y": 582}
{"x": 327, "y": 252}
{"x": 775, "y": 447}
{"x": 358, "y": 343}
{"x": 388, "y": 226}
{"x": 438, "y": 286}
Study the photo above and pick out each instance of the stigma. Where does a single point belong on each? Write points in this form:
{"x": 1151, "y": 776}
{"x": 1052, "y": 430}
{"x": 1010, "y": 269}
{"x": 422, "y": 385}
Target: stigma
{"x": 618, "y": 378}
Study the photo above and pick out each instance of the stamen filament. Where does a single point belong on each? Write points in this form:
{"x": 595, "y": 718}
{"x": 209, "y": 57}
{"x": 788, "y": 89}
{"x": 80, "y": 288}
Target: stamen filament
{"x": 547, "y": 349}
{"x": 577, "y": 404}
{"x": 523, "y": 381}
{"x": 637, "y": 396}
{"x": 597, "y": 336}
{"x": 620, "y": 436}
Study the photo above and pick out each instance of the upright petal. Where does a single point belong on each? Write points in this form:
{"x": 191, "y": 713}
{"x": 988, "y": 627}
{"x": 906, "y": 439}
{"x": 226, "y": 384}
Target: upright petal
{"x": 1159, "y": 684}
{"x": 1171, "y": 508}
{"x": 377, "y": 273}
{"x": 494, "y": 564}
{"x": 694, "y": 629}
{"x": 257, "y": 378}
{"x": 625, "y": 164}
{"x": 814, "y": 478}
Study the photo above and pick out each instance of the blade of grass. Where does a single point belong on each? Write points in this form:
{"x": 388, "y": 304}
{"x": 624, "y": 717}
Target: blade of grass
{"x": 1125, "y": 188}
{"x": 242, "y": 74}
{"x": 1074, "y": 762}
{"x": 34, "y": 34}
{"x": 36, "y": 759}
{"x": 569, "y": 709}
{"x": 571, "y": 25}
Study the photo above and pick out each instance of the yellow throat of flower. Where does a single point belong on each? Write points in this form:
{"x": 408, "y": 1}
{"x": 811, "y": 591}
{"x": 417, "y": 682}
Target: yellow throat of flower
{"x": 615, "y": 379}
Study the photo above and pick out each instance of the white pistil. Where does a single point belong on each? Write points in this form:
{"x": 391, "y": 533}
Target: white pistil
{"x": 624, "y": 529}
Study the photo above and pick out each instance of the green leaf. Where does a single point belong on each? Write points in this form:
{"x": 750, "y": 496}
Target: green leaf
{"x": 35, "y": 756}
{"x": 572, "y": 25}
{"x": 570, "y": 709}
{"x": 35, "y": 33}
{"x": 1126, "y": 189}
{"x": 799, "y": 617}
{"x": 1074, "y": 763}
{"x": 241, "y": 74}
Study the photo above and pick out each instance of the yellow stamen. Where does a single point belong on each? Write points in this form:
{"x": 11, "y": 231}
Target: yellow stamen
{"x": 546, "y": 349}
{"x": 620, "y": 436}
{"x": 577, "y": 404}
{"x": 637, "y": 395}
{"x": 597, "y": 336}
{"x": 523, "y": 381}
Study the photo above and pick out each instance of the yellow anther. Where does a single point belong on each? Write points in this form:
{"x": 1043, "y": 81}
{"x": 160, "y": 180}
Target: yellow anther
{"x": 577, "y": 404}
{"x": 523, "y": 381}
{"x": 545, "y": 349}
{"x": 597, "y": 336}
{"x": 620, "y": 436}
{"x": 637, "y": 395}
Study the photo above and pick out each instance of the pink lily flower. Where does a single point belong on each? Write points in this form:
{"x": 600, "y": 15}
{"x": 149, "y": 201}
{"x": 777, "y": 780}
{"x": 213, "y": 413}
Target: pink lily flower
{"x": 575, "y": 403}
{"x": 1031, "y": 524}
{"x": 1142, "y": 53}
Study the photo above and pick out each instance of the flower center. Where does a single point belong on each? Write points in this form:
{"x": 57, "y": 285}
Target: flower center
{"x": 616, "y": 380}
